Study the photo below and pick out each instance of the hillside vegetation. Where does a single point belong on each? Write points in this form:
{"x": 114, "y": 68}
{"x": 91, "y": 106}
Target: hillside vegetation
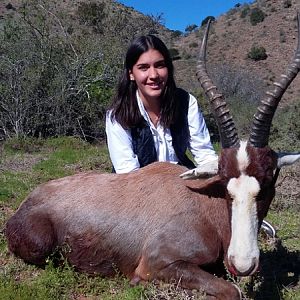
{"x": 59, "y": 64}
{"x": 60, "y": 61}
{"x": 235, "y": 35}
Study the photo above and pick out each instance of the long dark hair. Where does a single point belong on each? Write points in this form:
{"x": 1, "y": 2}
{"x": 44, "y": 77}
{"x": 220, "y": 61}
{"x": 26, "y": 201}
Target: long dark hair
{"x": 124, "y": 107}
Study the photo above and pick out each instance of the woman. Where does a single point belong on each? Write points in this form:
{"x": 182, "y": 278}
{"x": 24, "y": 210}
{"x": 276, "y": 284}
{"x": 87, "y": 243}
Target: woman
{"x": 152, "y": 120}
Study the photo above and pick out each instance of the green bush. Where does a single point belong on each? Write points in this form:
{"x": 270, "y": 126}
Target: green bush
{"x": 282, "y": 36}
{"x": 287, "y": 3}
{"x": 191, "y": 28}
{"x": 256, "y": 16}
{"x": 257, "y": 53}
{"x": 92, "y": 14}
{"x": 52, "y": 85}
{"x": 205, "y": 21}
{"x": 176, "y": 34}
{"x": 245, "y": 11}
{"x": 285, "y": 132}
{"x": 193, "y": 45}
{"x": 174, "y": 53}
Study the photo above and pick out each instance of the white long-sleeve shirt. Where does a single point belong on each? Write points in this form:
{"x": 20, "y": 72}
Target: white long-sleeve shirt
{"x": 120, "y": 142}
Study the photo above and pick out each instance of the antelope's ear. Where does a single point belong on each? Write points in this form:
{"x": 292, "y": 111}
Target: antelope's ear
{"x": 211, "y": 187}
{"x": 286, "y": 159}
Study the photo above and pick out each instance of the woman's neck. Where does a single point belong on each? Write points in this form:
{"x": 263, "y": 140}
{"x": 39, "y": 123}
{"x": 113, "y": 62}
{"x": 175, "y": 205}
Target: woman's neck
{"x": 152, "y": 107}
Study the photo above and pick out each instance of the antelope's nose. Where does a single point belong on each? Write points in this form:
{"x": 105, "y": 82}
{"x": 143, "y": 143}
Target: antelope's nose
{"x": 243, "y": 267}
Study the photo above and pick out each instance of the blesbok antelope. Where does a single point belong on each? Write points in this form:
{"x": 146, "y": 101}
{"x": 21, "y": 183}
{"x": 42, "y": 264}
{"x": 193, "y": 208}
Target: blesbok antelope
{"x": 152, "y": 224}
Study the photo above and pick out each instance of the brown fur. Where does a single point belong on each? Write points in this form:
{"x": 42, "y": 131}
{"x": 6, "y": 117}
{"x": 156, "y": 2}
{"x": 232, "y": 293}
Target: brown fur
{"x": 149, "y": 224}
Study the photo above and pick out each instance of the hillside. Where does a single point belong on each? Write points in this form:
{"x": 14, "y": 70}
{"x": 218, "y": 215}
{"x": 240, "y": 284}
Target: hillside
{"x": 60, "y": 60}
{"x": 233, "y": 36}
{"x": 230, "y": 41}
{"x": 108, "y": 19}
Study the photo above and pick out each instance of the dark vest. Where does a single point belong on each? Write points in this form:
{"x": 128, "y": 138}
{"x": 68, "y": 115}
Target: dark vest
{"x": 143, "y": 143}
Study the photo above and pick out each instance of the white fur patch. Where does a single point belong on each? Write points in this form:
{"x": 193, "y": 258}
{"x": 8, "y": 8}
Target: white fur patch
{"x": 243, "y": 249}
{"x": 242, "y": 157}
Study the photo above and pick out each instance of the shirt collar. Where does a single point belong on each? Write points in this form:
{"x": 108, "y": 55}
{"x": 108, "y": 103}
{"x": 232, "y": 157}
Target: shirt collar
{"x": 141, "y": 106}
{"x": 145, "y": 114}
{"x": 143, "y": 110}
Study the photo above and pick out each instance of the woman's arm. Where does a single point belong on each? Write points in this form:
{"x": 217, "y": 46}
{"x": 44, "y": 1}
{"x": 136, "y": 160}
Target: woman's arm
{"x": 200, "y": 144}
{"x": 120, "y": 147}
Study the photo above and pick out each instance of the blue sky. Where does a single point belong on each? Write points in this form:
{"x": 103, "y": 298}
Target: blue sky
{"x": 179, "y": 14}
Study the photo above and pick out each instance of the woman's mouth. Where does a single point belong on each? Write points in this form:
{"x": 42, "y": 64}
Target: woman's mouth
{"x": 156, "y": 85}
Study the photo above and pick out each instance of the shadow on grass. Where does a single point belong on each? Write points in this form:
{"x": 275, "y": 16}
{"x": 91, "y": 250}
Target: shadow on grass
{"x": 280, "y": 270}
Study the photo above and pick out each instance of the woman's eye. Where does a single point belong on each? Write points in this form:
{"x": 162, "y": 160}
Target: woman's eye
{"x": 161, "y": 65}
{"x": 143, "y": 68}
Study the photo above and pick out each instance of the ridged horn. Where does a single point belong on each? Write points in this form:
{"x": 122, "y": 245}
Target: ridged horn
{"x": 260, "y": 130}
{"x": 227, "y": 130}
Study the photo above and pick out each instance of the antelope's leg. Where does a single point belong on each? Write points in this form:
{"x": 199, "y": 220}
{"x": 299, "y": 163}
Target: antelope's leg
{"x": 189, "y": 276}
{"x": 31, "y": 236}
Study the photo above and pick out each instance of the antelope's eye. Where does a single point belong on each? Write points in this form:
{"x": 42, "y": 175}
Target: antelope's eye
{"x": 260, "y": 197}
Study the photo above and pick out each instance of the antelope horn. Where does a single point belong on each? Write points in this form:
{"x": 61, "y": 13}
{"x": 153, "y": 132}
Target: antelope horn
{"x": 260, "y": 130}
{"x": 227, "y": 130}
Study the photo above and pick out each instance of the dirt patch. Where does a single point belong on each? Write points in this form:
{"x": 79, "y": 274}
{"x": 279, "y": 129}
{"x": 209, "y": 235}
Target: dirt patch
{"x": 20, "y": 163}
{"x": 288, "y": 188}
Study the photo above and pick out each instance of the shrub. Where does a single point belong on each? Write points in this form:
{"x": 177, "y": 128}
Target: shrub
{"x": 49, "y": 87}
{"x": 231, "y": 12}
{"x": 176, "y": 33}
{"x": 245, "y": 11}
{"x": 257, "y": 53}
{"x": 237, "y": 82}
{"x": 285, "y": 132}
{"x": 193, "y": 45}
{"x": 242, "y": 91}
{"x": 256, "y": 16}
{"x": 191, "y": 28}
{"x": 282, "y": 36}
{"x": 205, "y": 21}
{"x": 287, "y": 3}
{"x": 174, "y": 53}
{"x": 92, "y": 14}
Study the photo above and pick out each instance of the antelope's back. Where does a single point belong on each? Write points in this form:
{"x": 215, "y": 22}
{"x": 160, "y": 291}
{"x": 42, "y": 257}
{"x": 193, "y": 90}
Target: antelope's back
{"x": 143, "y": 199}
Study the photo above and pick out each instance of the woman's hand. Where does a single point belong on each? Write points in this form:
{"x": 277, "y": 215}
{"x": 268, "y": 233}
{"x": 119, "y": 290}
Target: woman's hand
{"x": 204, "y": 170}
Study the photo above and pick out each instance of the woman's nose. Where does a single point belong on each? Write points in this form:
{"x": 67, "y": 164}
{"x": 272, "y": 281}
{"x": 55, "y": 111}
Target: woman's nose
{"x": 153, "y": 73}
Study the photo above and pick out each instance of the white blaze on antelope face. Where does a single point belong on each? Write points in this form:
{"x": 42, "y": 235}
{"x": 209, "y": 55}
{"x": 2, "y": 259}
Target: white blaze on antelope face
{"x": 243, "y": 252}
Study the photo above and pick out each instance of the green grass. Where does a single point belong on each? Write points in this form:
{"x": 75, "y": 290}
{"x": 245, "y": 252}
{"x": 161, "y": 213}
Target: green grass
{"x": 279, "y": 275}
{"x": 63, "y": 283}
{"x": 14, "y": 186}
{"x": 25, "y": 164}
{"x": 288, "y": 224}
{"x": 57, "y": 157}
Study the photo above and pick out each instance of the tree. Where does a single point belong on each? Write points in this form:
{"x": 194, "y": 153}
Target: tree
{"x": 191, "y": 28}
{"x": 58, "y": 70}
{"x": 176, "y": 33}
{"x": 47, "y": 86}
{"x": 205, "y": 21}
{"x": 92, "y": 14}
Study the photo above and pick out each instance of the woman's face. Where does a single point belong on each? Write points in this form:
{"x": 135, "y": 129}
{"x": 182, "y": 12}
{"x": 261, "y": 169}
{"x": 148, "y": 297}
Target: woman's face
{"x": 150, "y": 74}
